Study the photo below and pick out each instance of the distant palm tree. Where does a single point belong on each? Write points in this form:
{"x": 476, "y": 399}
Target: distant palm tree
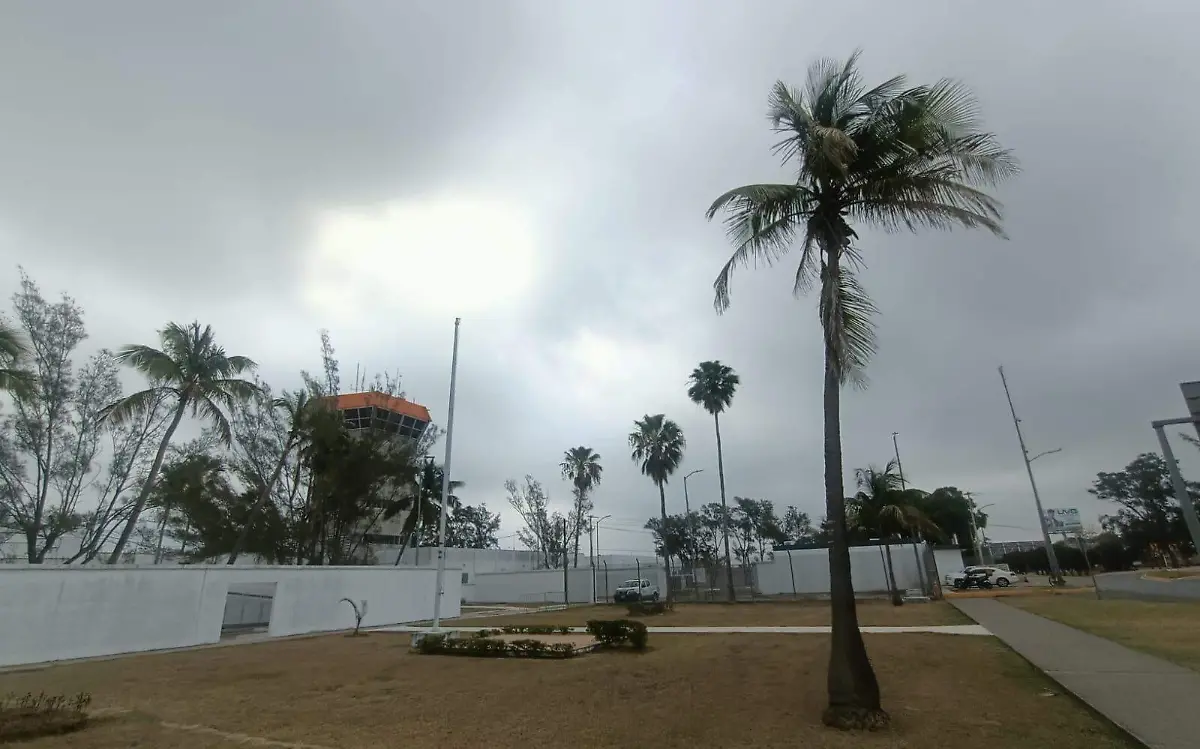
{"x": 657, "y": 445}
{"x": 423, "y": 502}
{"x": 712, "y": 386}
{"x": 13, "y": 350}
{"x": 298, "y": 407}
{"x": 884, "y": 508}
{"x": 581, "y": 466}
{"x": 893, "y": 157}
{"x": 191, "y": 368}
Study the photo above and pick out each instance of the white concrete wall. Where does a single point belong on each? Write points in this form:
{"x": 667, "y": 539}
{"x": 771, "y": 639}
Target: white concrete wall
{"x": 471, "y": 561}
{"x": 810, "y": 568}
{"x": 546, "y": 586}
{"x": 947, "y": 561}
{"x": 56, "y": 613}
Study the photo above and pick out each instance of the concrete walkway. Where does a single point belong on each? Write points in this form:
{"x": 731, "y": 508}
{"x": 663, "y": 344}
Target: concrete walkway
{"x": 1148, "y": 697}
{"x": 945, "y": 629}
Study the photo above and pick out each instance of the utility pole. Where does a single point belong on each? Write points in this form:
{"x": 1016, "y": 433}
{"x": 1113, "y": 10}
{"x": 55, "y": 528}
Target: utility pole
{"x": 592, "y": 553}
{"x": 1056, "y": 577}
{"x": 1182, "y": 496}
{"x": 899, "y": 465}
{"x": 566, "y": 597}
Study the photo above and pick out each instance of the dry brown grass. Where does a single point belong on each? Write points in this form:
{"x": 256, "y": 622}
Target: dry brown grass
{"x": 1022, "y": 592}
{"x": 1165, "y": 629}
{"x": 772, "y": 614}
{"x": 688, "y": 691}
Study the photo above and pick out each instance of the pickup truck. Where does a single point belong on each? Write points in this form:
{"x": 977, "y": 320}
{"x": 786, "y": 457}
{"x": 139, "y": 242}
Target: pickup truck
{"x": 636, "y": 590}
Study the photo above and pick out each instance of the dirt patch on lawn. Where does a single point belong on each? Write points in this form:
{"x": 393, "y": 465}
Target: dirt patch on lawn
{"x": 686, "y": 692}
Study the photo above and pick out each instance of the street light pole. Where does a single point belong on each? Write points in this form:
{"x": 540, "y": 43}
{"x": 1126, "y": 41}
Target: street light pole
{"x": 441, "y": 567}
{"x": 1177, "y": 483}
{"x": 687, "y": 507}
{"x": 899, "y": 465}
{"x": 975, "y": 527}
{"x": 1056, "y": 577}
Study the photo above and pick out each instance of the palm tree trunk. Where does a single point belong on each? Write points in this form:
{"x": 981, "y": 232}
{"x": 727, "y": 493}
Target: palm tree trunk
{"x": 144, "y": 494}
{"x": 853, "y": 688}
{"x": 162, "y": 531}
{"x": 891, "y": 573}
{"x": 244, "y": 537}
{"x": 415, "y": 513}
{"x": 662, "y": 503}
{"x": 724, "y": 510}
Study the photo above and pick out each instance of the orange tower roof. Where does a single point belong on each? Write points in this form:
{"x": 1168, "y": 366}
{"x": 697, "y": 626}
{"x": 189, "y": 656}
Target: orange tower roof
{"x": 382, "y": 400}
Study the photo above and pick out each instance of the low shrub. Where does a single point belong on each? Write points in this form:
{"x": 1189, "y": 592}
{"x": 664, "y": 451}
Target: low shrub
{"x": 30, "y": 716}
{"x": 648, "y": 608}
{"x": 612, "y": 633}
{"x": 524, "y": 631}
{"x": 484, "y": 646}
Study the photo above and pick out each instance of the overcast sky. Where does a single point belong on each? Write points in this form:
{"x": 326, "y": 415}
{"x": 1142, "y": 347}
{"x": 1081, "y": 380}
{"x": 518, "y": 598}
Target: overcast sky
{"x": 542, "y": 169}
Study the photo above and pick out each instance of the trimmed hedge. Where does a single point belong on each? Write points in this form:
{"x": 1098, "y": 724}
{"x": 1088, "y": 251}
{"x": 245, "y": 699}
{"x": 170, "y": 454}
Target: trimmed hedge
{"x": 488, "y": 647}
{"x": 612, "y": 633}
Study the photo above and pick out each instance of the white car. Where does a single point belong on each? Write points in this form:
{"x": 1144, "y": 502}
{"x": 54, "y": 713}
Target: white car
{"x": 999, "y": 577}
{"x": 636, "y": 590}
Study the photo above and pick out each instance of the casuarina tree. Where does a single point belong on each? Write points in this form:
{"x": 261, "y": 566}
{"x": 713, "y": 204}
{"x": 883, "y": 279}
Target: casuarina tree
{"x": 895, "y": 157}
{"x": 656, "y": 444}
{"x": 199, "y": 376}
{"x": 712, "y": 386}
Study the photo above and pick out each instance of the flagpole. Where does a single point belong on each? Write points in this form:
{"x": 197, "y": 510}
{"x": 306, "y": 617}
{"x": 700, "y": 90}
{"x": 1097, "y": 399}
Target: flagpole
{"x": 441, "y": 566}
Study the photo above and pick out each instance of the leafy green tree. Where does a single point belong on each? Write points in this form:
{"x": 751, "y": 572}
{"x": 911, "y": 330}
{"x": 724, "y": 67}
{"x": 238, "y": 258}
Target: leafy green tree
{"x": 894, "y": 157}
{"x": 471, "y": 527}
{"x": 581, "y": 466}
{"x": 797, "y": 527}
{"x": 949, "y": 508}
{"x": 1148, "y": 514}
{"x": 201, "y": 378}
{"x": 712, "y": 385}
{"x": 656, "y": 444}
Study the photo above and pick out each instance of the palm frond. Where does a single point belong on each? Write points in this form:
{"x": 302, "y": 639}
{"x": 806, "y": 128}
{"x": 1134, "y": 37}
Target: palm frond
{"x": 19, "y": 382}
{"x": 712, "y": 385}
{"x": 12, "y": 344}
{"x": 136, "y": 405}
{"x": 847, "y": 316}
{"x": 156, "y": 365}
{"x": 204, "y": 407}
{"x": 761, "y": 223}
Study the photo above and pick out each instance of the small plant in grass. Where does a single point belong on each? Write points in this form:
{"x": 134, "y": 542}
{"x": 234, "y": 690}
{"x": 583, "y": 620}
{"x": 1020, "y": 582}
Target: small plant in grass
{"x": 612, "y": 633}
{"x": 29, "y": 716}
{"x": 360, "y": 610}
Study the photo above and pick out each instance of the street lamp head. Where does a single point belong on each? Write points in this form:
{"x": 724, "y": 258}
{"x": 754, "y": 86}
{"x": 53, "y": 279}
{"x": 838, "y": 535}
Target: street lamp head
{"x": 693, "y": 473}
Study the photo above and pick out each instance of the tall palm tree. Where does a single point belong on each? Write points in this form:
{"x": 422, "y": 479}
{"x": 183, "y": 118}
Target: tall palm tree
{"x": 712, "y": 386}
{"x": 581, "y": 466}
{"x": 893, "y": 157}
{"x": 191, "y": 368}
{"x": 656, "y": 444}
{"x": 298, "y": 408}
{"x": 12, "y": 351}
{"x": 424, "y": 501}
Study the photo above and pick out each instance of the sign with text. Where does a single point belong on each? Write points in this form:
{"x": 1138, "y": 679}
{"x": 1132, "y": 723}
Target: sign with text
{"x": 1063, "y": 520}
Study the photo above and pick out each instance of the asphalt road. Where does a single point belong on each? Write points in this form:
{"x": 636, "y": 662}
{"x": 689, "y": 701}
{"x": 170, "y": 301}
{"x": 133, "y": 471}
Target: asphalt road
{"x": 1133, "y": 585}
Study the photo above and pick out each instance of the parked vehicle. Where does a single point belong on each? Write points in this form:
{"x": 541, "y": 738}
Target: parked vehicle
{"x": 995, "y": 575}
{"x": 636, "y": 590}
{"x": 973, "y": 578}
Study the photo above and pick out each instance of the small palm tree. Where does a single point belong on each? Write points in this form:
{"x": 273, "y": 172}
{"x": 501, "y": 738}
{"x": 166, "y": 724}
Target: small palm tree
{"x": 12, "y": 352}
{"x": 298, "y": 408}
{"x": 885, "y": 508}
{"x": 581, "y": 466}
{"x": 424, "y": 501}
{"x": 894, "y": 157}
{"x": 657, "y": 445}
{"x": 191, "y": 368}
{"x": 712, "y": 386}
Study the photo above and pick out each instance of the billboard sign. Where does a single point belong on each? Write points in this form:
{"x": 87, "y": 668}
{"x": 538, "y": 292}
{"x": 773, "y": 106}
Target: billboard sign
{"x": 1063, "y": 520}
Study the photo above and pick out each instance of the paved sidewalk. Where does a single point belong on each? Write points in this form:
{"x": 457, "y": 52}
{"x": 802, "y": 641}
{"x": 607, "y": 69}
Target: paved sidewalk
{"x": 1152, "y": 699}
{"x": 943, "y": 629}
